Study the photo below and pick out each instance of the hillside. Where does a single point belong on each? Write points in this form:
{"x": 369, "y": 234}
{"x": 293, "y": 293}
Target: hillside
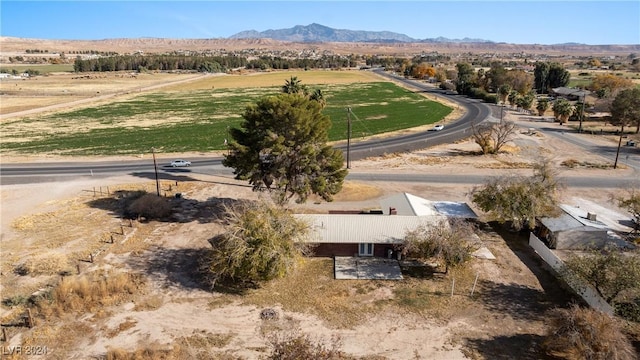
{"x": 13, "y": 45}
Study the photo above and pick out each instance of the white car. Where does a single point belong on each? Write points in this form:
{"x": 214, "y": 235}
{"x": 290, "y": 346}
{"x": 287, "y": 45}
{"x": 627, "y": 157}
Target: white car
{"x": 180, "y": 163}
{"x": 438, "y": 127}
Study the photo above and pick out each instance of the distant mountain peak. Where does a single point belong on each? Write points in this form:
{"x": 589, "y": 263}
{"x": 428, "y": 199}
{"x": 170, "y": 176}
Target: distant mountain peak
{"x": 320, "y": 33}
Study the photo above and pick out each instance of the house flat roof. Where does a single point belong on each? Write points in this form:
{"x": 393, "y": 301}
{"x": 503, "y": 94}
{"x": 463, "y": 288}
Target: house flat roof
{"x": 410, "y": 205}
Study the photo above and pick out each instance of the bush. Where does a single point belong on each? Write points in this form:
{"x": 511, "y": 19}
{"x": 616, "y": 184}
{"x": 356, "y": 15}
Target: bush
{"x": 581, "y": 333}
{"x": 296, "y": 347}
{"x": 150, "y": 207}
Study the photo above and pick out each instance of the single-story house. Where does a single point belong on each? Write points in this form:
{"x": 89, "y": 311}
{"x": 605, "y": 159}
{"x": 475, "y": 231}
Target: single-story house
{"x": 570, "y": 93}
{"x": 378, "y": 233}
{"x": 576, "y": 229}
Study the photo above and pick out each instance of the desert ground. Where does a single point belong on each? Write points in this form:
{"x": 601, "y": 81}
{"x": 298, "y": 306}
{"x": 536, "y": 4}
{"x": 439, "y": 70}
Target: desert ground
{"x": 49, "y": 229}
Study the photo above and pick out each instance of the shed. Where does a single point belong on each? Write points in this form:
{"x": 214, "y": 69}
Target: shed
{"x": 574, "y": 229}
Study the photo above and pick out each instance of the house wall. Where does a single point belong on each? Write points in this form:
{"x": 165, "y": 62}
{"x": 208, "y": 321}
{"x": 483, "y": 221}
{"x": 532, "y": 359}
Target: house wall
{"x": 333, "y": 249}
{"x": 579, "y": 240}
{"x": 336, "y": 250}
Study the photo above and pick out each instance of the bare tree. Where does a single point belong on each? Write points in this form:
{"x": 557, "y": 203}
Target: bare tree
{"x": 492, "y": 137}
{"x": 448, "y": 242}
{"x": 631, "y": 202}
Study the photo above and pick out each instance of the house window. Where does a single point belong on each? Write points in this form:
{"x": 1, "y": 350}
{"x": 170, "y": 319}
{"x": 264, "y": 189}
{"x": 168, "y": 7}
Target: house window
{"x": 365, "y": 249}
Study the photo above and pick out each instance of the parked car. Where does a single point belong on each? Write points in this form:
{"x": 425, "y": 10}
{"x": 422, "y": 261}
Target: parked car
{"x": 180, "y": 163}
{"x": 438, "y": 127}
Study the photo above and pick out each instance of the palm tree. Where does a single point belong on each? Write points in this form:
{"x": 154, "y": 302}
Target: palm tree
{"x": 294, "y": 86}
{"x": 542, "y": 106}
{"x": 318, "y": 96}
{"x": 562, "y": 110}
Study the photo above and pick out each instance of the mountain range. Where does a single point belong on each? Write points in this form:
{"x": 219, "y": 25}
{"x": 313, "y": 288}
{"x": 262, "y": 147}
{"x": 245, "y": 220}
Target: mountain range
{"x": 320, "y": 33}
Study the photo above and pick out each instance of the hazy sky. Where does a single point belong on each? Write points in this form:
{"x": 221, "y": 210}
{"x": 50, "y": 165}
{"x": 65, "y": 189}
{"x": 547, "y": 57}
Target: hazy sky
{"x": 523, "y": 22}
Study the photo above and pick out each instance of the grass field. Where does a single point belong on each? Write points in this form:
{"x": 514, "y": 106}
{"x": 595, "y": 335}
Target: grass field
{"x": 195, "y": 117}
{"x": 42, "y": 68}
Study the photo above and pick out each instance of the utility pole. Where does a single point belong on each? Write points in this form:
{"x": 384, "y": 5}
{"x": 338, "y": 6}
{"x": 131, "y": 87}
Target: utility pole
{"x": 348, "y": 136}
{"x": 615, "y": 164}
{"x": 155, "y": 166}
{"x": 501, "y": 111}
{"x": 584, "y": 95}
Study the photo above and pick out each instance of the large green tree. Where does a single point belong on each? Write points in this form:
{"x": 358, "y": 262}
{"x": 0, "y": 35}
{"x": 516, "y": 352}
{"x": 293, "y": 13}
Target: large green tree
{"x": 466, "y": 78}
{"x": 558, "y": 76}
{"x": 541, "y": 77}
{"x": 519, "y": 199}
{"x": 281, "y": 147}
{"x": 625, "y": 109}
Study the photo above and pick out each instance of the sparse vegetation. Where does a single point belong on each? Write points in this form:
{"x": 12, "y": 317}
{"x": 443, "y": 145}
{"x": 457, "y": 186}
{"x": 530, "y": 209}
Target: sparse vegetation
{"x": 261, "y": 242}
{"x": 520, "y": 200}
{"x": 84, "y": 293}
{"x": 150, "y": 207}
{"x": 578, "y": 333}
{"x": 447, "y": 242}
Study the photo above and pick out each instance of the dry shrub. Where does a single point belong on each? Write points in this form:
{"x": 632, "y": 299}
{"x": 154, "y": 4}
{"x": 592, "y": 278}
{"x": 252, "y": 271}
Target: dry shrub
{"x": 45, "y": 264}
{"x": 149, "y": 206}
{"x": 198, "y": 346}
{"x": 149, "y": 353}
{"x": 123, "y": 326}
{"x": 86, "y": 293}
{"x": 295, "y": 346}
{"x": 583, "y": 333}
{"x": 205, "y": 340}
{"x": 570, "y": 163}
{"x": 149, "y": 303}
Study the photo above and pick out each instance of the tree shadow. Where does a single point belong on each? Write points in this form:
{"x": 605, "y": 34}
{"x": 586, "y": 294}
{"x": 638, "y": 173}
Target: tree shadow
{"x": 164, "y": 175}
{"x": 520, "y": 346}
{"x": 183, "y": 210}
{"x": 555, "y": 291}
{"x": 518, "y": 301}
{"x": 186, "y": 268}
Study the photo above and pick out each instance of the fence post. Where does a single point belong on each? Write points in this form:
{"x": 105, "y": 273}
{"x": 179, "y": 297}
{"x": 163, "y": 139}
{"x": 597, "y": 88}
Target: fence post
{"x": 78, "y": 268}
{"x": 453, "y": 285}
{"x": 91, "y": 257}
{"x": 29, "y": 319}
{"x": 474, "y": 284}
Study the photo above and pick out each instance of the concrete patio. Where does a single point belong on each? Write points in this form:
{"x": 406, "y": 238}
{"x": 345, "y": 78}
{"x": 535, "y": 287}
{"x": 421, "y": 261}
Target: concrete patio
{"x": 361, "y": 268}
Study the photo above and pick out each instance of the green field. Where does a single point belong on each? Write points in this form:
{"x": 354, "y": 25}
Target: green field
{"x": 42, "y": 68}
{"x": 197, "y": 121}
